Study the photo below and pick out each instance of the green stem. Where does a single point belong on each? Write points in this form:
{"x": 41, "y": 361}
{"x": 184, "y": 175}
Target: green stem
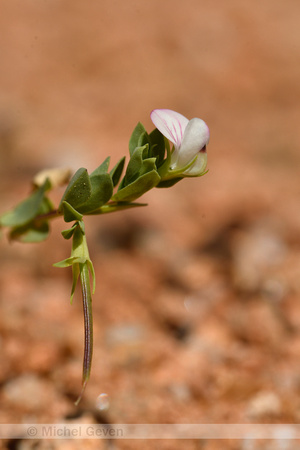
{"x": 48, "y": 216}
{"x": 88, "y": 326}
{"x": 115, "y": 206}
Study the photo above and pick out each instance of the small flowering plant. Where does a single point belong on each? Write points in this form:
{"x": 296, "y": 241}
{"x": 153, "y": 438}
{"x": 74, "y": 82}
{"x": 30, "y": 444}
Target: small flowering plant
{"x": 152, "y": 164}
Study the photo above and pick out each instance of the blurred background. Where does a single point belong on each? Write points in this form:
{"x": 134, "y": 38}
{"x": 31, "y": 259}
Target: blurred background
{"x": 197, "y": 315}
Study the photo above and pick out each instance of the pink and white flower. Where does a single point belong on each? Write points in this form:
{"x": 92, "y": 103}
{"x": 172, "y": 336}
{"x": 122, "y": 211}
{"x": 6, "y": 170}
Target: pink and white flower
{"x": 189, "y": 137}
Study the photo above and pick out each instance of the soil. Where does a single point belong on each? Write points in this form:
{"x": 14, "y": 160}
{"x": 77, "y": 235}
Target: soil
{"x": 196, "y": 311}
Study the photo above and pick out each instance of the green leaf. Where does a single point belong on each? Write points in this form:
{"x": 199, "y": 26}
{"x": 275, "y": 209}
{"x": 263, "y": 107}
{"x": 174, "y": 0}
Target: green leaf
{"x": 134, "y": 139}
{"x": 157, "y": 148}
{"x": 144, "y": 140}
{"x": 134, "y": 165}
{"x": 36, "y": 230}
{"x": 46, "y": 206}
{"x": 78, "y": 191}
{"x": 138, "y": 165}
{"x": 81, "y": 226}
{"x": 70, "y": 213}
{"x": 116, "y": 172}
{"x": 68, "y": 262}
{"x": 67, "y": 234}
{"x": 103, "y": 168}
{"x": 138, "y": 187}
{"x": 147, "y": 166}
{"x": 169, "y": 183}
{"x": 30, "y": 233}
{"x": 102, "y": 190}
{"x": 25, "y": 211}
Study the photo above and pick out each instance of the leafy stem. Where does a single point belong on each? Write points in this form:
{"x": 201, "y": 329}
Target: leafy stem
{"x": 82, "y": 268}
{"x": 105, "y": 191}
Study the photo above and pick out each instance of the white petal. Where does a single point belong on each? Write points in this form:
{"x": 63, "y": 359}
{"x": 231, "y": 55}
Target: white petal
{"x": 199, "y": 166}
{"x": 170, "y": 123}
{"x": 195, "y": 137}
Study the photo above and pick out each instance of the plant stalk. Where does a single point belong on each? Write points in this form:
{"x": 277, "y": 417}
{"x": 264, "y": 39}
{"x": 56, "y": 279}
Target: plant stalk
{"x": 88, "y": 326}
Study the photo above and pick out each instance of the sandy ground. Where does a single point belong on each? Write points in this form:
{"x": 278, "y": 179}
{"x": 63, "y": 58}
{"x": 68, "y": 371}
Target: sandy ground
{"x": 197, "y": 314}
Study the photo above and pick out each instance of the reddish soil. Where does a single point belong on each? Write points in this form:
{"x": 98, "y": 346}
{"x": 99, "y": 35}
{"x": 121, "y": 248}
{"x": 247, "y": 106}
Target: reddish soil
{"x": 197, "y": 313}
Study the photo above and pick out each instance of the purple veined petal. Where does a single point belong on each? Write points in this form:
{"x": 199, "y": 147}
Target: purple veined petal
{"x": 170, "y": 123}
{"x": 195, "y": 138}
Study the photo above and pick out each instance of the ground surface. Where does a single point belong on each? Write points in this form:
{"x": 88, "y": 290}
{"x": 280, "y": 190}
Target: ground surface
{"x": 197, "y": 313}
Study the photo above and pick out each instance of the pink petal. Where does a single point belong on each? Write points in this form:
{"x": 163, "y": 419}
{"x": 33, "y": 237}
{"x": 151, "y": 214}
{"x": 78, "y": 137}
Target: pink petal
{"x": 195, "y": 138}
{"x": 170, "y": 123}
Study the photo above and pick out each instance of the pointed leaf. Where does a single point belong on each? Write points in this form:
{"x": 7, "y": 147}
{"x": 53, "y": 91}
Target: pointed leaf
{"x": 138, "y": 187}
{"x": 134, "y": 139}
{"x": 116, "y": 172}
{"x": 68, "y": 262}
{"x": 70, "y": 213}
{"x": 103, "y": 168}
{"x": 67, "y": 234}
{"x": 136, "y": 166}
{"x": 147, "y": 166}
{"x": 81, "y": 226}
{"x": 144, "y": 140}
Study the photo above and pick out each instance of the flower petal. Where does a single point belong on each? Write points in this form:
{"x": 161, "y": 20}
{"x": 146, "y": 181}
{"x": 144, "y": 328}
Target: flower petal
{"x": 199, "y": 165}
{"x": 195, "y": 138}
{"x": 170, "y": 123}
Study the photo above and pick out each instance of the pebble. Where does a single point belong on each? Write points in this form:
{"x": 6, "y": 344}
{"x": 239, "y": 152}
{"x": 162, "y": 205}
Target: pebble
{"x": 255, "y": 253}
{"x": 264, "y": 403}
{"x": 27, "y": 392}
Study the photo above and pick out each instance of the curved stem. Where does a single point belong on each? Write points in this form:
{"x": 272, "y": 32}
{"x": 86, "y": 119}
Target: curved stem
{"x": 88, "y": 326}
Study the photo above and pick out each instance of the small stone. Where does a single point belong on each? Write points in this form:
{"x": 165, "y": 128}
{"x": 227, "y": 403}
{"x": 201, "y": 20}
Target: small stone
{"x": 27, "y": 391}
{"x": 255, "y": 253}
{"x": 264, "y": 404}
{"x": 180, "y": 391}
